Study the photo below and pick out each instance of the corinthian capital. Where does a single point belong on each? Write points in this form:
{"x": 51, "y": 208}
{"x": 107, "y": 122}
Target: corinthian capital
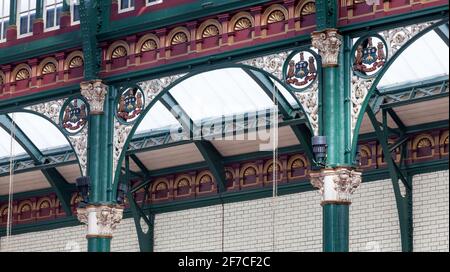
{"x": 95, "y": 93}
{"x": 328, "y": 42}
{"x": 101, "y": 220}
{"x": 336, "y": 185}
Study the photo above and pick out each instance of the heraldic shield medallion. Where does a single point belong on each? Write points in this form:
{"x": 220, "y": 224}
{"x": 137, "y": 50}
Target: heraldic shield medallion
{"x": 370, "y": 56}
{"x": 74, "y": 116}
{"x": 301, "y": 70}
{"x": 130, "y": 104}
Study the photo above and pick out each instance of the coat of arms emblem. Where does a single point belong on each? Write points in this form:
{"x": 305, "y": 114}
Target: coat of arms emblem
{"x": 301, "y": 72}
{"x": 131, "y": 104}
{"x": 75, "y": 116}
{"x": 368, "y": 57}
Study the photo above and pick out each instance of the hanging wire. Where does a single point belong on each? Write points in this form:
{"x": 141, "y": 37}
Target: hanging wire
{"x": 275, "y": 170}
{"x": 11, "y": 180}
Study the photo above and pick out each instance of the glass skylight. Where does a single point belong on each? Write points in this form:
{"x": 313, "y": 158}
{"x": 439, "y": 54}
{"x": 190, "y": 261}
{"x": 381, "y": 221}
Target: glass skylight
{"x": 426, "y": 58}
{"x": 40, "y": 131}
{"x": 219, "y": 93}
{"x": 157, "y": 118}
{"x": 5, "y": 146}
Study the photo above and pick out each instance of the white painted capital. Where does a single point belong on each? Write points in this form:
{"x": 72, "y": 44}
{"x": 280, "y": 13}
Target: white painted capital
{"x": 101, "y": 220}
{"x": 95, "y": 93}
{"x": 328, "y": 42}
{"x": 336, "y": 185}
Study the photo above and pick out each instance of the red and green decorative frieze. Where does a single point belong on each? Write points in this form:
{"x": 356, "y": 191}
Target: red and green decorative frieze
{"x": 425, "y": 146}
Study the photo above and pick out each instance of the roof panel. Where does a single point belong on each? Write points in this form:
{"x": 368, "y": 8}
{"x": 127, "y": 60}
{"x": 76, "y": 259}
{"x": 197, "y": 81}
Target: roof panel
{"x": 220, "y": 92}
{"x": 426, "y": 58}
{"x": 39, "y": 130}
{"x": 5, "y": 145}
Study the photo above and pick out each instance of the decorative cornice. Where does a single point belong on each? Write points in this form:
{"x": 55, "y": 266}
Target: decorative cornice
{"x": 336, "y": 185}
{"x": 328, "y": 42}
{"x": 101, "y": 220}
{"x": 95, "y": 93}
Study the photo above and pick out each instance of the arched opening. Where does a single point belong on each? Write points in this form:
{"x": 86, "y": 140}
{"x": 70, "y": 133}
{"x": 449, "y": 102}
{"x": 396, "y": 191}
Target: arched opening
{"x": 204, "y": 120}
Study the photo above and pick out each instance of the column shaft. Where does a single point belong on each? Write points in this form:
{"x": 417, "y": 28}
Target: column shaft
{"x": 335, "y": 227}
{"x": 99, "y": 244}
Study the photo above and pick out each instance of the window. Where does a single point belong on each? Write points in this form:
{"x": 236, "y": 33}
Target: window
{"x": 4, "y": 18}
{"x": 153, "y": 2}
{"x": 26, "y": 13}
{"x": 52, "y": 13}
{"x": 126, "y": 5}
{"x": 75, "y": 11}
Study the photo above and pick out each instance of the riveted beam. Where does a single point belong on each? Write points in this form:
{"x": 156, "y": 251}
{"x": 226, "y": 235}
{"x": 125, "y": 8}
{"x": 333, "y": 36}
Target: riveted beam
{"x": 145, "y": 237}
{"x": 404, "y": 203}
{"x": 272, "y": 92}
{"x": 408, "y": 94}
{"x": 212, "y": 157}
{"x": 90, "y": 23}
{"x": 61, "y": 187}
{"x": 215, "y": 162}
{"x": 179, "y": 113}
{"x": 443, "y": 32}
{"x": 140, "y": 165}
{"x": 301, "y": 131}
{"x": 21, "y": 138}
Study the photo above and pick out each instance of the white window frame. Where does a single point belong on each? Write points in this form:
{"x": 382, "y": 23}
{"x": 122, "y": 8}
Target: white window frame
{"x": 4, "y": 17}
{"x": 127, "y": 9}
{"x": 28, "y": 14}
{"x": 72, "y": 8}
{"x": 53, "y": 6}
{"x": 152, "y": 3}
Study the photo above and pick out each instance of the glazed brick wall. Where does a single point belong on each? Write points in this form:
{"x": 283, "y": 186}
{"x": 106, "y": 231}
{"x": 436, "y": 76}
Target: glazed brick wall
{"x": 298, "y": 224}
{"x": 430, "y": 212}
{"x": 247, "y": 226}
{"x": 70, "y": 239}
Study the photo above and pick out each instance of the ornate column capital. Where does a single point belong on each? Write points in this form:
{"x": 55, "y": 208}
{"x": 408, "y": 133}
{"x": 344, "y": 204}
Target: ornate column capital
{"x": 328, "y": 42}
{"x": 101, "y": 220}
{"x": 336, "y": 185}
{"x": 95, "y": 93}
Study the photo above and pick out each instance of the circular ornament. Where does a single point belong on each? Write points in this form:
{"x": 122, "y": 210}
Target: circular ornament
{"x": 301, "y": 70}
{"x": 130, "y": 104}
{"x": 74, "y": 115}
{"x": 370, "y": 55}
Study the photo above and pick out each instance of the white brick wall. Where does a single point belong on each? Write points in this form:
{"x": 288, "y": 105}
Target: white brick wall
{"x": 431, "y": 209}
{"x": 247, "y": 226}
{"x": 69, "y": 239}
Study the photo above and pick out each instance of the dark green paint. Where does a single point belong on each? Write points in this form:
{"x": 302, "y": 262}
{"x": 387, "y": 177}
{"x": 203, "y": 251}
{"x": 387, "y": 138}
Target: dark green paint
{"x": 99, "y": 244}
{"x": 214, "y": 160}
{"x": 89, "y": 24}
{"x": 61, "y": 187}
{"x": 396, "y": 173}
{"x": 12, "y": 13}
{"x": 335, "y": 227}
{"x": 327, "y": 13}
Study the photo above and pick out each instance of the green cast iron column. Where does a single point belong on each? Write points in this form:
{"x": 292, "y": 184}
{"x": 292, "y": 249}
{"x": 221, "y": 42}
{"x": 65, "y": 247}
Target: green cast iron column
{"x": 13, "y": 13}
{"x": 335, "y": 126}
{"x": 101, "y": 125}
{"x": 99, "y": 162}
{"x": 39, "y": 9}
{"x": 335, "y": 227}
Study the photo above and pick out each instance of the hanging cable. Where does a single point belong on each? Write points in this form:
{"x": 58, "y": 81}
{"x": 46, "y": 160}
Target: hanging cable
{"x": 274, "y": 126}
{"x": 11, "y": 181}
